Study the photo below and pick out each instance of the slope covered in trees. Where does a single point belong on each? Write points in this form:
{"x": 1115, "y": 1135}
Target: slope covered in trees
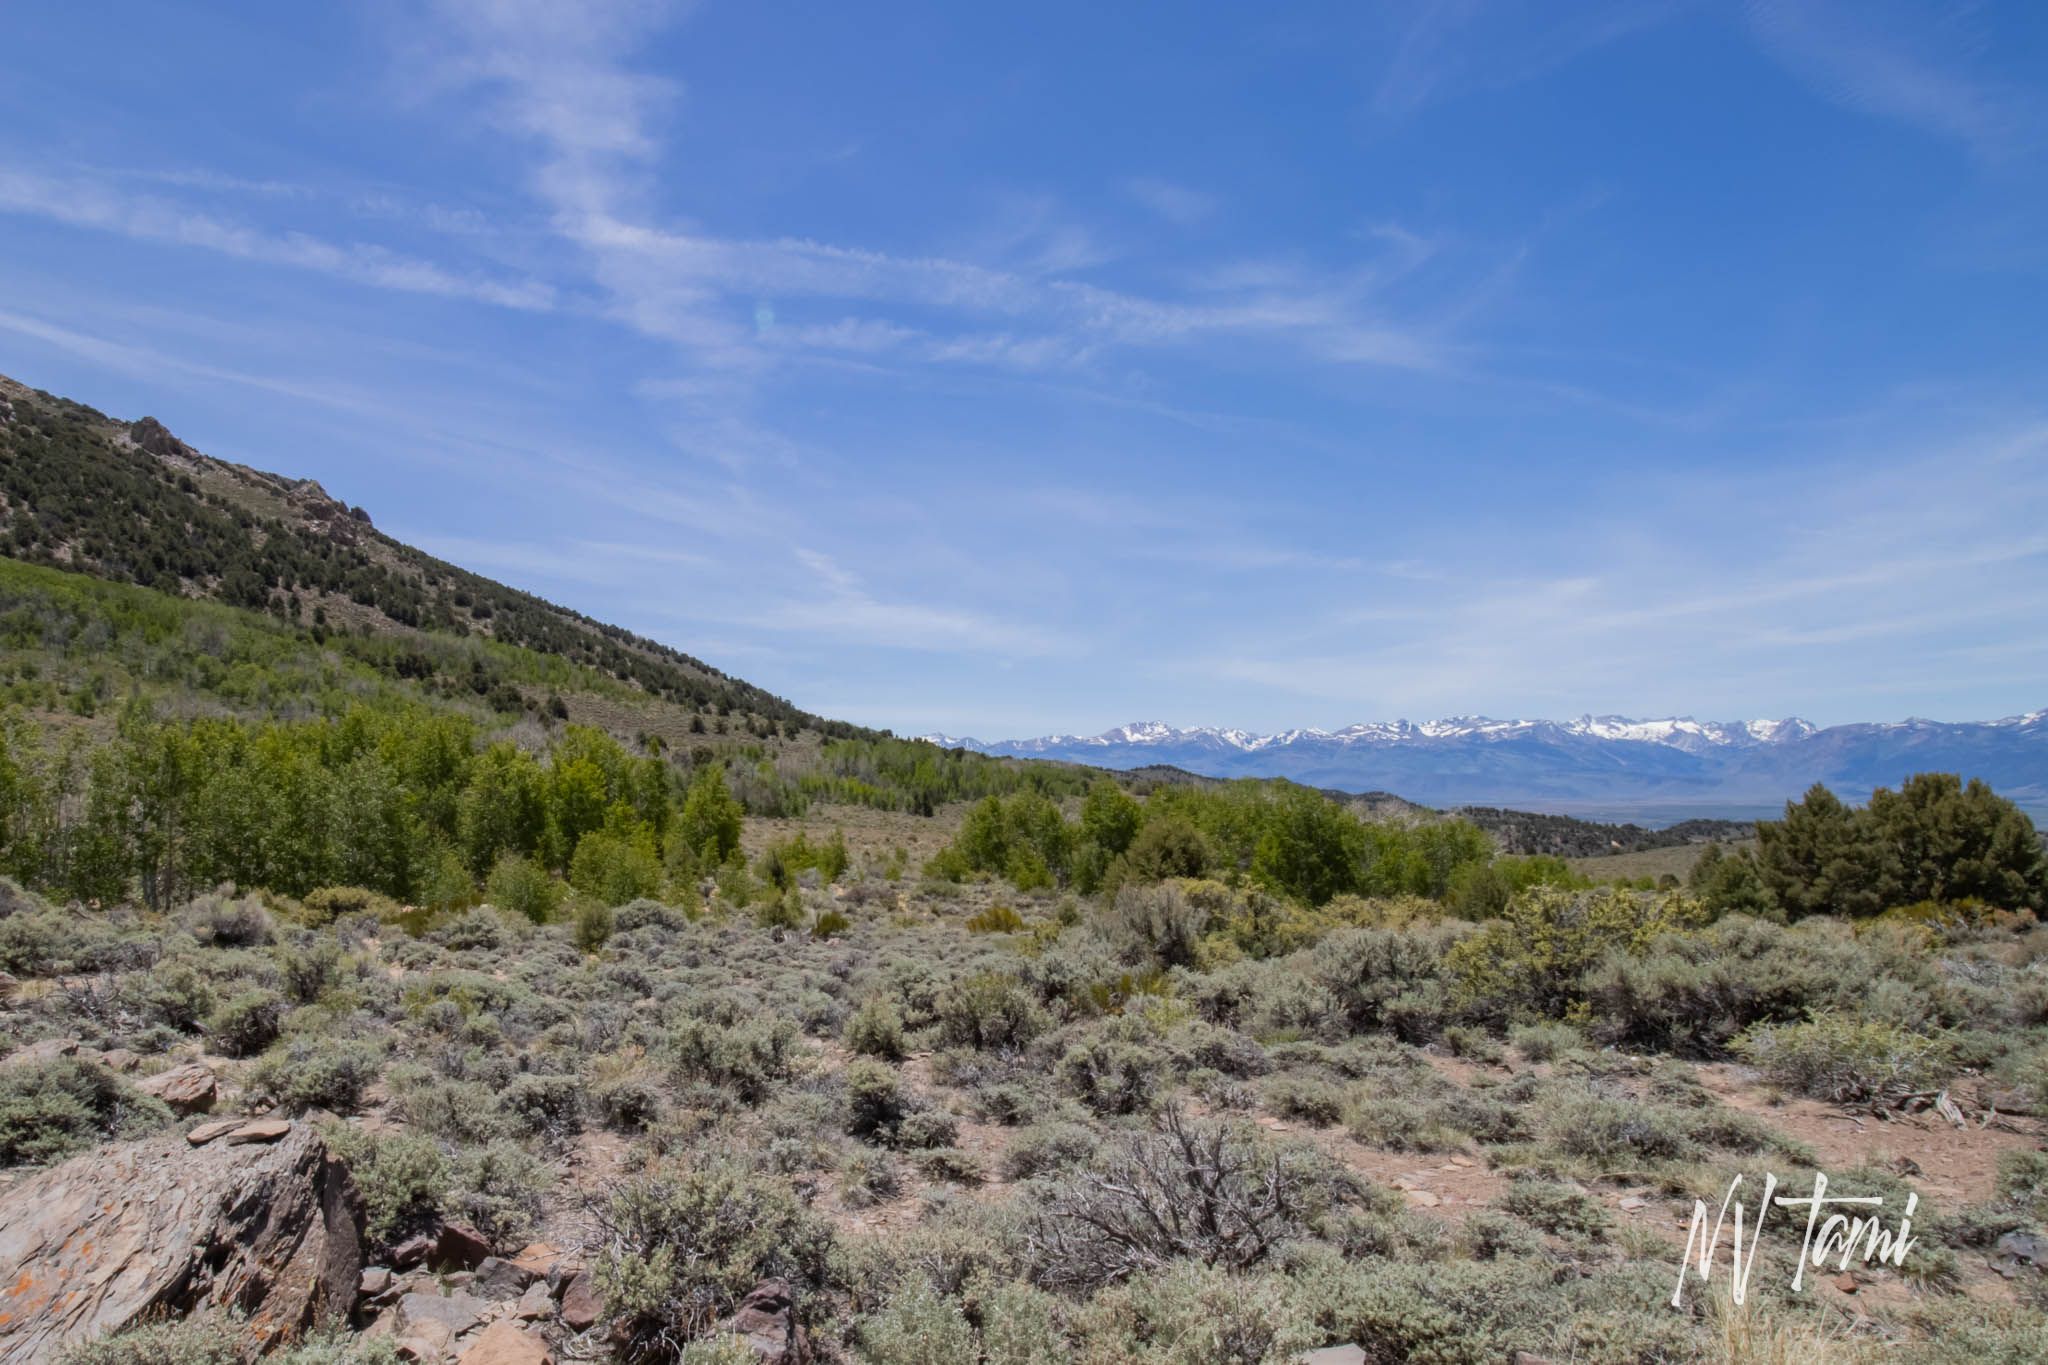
{"x": 132, "y": 503}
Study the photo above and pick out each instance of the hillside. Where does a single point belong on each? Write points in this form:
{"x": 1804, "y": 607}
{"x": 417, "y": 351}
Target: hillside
{"x": 132, "y": 503}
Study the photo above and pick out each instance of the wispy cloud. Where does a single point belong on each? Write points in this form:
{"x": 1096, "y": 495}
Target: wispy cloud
{"x": 1625, "y": 623}
{"x": 1908, "y": 63}
{"x": 1452, "y": 47}
{"x": 82, "y": 202}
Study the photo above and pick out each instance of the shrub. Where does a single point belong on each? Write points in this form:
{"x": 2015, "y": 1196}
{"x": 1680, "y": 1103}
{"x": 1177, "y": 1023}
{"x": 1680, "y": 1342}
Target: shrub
{"x": 997, "y": 919}
{"x": 830, "y": 924}
{"x": 1528, "y": 963}
{"x": 875, "y": 1102}
{"x": 404, "y": 1178}
{"x": 543, "y": 1104}
{"x": 919, "y": 1327}
{"x": 1307, "y": 1098}
{"x": 869, "y": 1177}
{"x": 1841, "y": 1058}
{"x": 1691, "y": 993}
{"x": 1113, "y": 1070}
{"x": 987, "y": 1010}
{"x": 330, "y": 903}
{"x": 51, "y": 1109}
{"x": 522, "y": 886}
{"x": 1366, "y": 970}
{"x": 1191, "y": 1314}
{"x": 1401, "y": 1125}
{"x": 1556, "y": 1208}
{"x": 247, "y": 1024}
{"x": 681, "y": 1245}
{"x": 213, "y": 1343}
{"x": 1164, "y": 922}
{"x": 1046, "y": 1148}
{"x": 1608, "y": 1130}
{"x": 949, "y": 1165}
{"x": 499, "y": 1188}
{"x": 1545, "y": 1042}
{"x": 747, "y": 1057}
{"x": 1187, "y": 1189}
{"x": 876, "y": 1029}
{"x": 221, "y": 921}
{"x": 593, "y": 925}
{"x": 316, "y": 1073}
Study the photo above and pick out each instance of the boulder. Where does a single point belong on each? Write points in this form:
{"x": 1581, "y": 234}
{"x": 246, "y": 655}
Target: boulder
{"x": 536, "y": 1303}
{"x": 459, "y": 1246}
{"x": 497, "y": 1278}
{"x": 187, "y": 1089}
{"x": 507, "y": 1343}
{"x": 49, "y": 1050}
{"x": 158, "y": 1228}
{"x": 581, "y": 1309}
{"x": 436, "y": 1320}
{"x": 765, "y": 1322}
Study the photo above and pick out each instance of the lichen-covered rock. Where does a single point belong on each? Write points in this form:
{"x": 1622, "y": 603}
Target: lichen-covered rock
{"x": 159, "y": 1228}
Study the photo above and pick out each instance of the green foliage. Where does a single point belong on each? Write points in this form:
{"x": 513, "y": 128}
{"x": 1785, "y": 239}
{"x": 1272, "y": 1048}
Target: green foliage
{"x": 997, "y": 919}
{"x": 876, "y": 1029}
{"x": 316, "y": 1073}
{"x": 518, "y": 884}
{"x": 709, "y": 824}
{"x": 1730, "y": 883}
{"x": 682, "y": 1244}
{"x": 1841, "y": 1057}
{"x": 613, "y": 869}
{"x": 247, "y": 1023}
{"x": 988, "y": 1010}
{"x": 1529, "y": 962}
{"x": 404, "y": 1178}
{"x": 49, "y": 1110}
{"x": 1935, "y": 839}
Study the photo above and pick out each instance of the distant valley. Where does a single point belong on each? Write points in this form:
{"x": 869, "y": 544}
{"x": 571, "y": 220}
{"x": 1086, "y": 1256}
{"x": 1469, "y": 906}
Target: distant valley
{"x": 1613, "y": 767}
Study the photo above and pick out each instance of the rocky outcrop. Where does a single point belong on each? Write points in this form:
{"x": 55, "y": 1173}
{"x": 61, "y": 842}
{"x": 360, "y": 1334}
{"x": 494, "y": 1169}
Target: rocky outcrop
{"x": 160, "y": 1228}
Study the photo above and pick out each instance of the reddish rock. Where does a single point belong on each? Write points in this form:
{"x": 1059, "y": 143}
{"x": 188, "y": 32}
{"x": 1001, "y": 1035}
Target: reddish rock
{"x": 436, "y": 1320}
{"x": 538, "y": 1259}
{"x": 507, "y": 1343}
{"x": 459, "y": 1244}
{"x": 581, "y": 1309}
{"x": 154, "y": 1229}
{"x": 207, "y": 1132}
{"x": 187, "y": 1089}
{"x": 412, "y": 1251}
{"x": 257, "y": 1130}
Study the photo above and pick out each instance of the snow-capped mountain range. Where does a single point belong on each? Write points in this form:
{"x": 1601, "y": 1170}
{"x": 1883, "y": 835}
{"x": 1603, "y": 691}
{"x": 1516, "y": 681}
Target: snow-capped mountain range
{"x": 1603, "y": 761}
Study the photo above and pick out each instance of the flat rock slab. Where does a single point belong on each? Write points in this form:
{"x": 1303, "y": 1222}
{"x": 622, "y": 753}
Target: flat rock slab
{"x": 158, "y": 1228}
{"x": 1335, "y": 1355}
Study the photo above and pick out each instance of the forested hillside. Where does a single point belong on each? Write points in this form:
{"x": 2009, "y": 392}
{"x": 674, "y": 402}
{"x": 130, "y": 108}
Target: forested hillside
{"x": 132, "y": 503}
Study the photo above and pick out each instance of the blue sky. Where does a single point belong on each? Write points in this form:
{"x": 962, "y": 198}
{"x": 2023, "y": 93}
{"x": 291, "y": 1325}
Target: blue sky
{"x": 1005, "y": 369}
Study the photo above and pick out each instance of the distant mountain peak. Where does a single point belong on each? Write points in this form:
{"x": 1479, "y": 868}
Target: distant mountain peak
{"x": 1611, "y": 759}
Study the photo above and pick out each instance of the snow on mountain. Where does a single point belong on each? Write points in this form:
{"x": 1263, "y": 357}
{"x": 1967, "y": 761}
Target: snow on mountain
{"x": 1674, "y": 760}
